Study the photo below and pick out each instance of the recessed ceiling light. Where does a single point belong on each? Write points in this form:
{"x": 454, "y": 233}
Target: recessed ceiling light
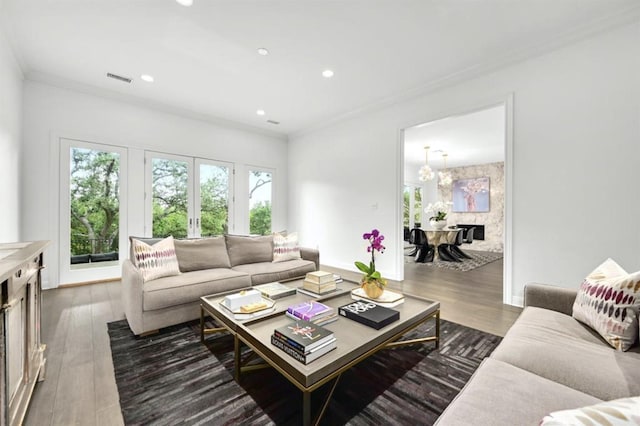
{"x": 146, "y": 77}
{"x": 185, "y": 3}
{"x": 262, "y": 51}
{"x": 260, "y": 112}
{"x": 327, "y": 73}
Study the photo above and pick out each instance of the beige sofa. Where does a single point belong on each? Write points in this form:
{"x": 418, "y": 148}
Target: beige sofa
{"x": 208, "y": 266}
{"x": 547, "y": 362}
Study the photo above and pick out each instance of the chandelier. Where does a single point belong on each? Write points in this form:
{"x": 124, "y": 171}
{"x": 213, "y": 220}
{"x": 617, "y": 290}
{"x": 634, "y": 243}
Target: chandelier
{"x": 425, "y": 171}
{"x": 444, "y": 176}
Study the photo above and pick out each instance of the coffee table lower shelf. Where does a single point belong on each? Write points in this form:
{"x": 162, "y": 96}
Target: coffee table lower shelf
{"x": 241, "y": 365}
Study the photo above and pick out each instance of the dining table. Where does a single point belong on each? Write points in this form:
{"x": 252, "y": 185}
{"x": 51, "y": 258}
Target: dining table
{"x": 442, "y": 236}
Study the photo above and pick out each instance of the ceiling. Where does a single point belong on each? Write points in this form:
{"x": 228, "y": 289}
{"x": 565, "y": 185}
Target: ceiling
{"x": 204, "y": 58}
{"x": 469, "y": 139}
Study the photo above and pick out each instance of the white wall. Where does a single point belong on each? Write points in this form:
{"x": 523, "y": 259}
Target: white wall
{"x": 575, "y": 154}
{"x": 51, "y": 113}
{"x": 10, "y": 137}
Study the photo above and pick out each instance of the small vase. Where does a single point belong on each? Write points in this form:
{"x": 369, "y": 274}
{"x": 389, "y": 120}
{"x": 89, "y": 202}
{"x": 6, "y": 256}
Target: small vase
{"x": 372, "y": 289}
{"x": 438, "y": 224}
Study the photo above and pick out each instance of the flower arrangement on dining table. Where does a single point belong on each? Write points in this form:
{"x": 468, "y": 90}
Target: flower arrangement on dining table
{"x": 437, "y": 210}
{"x": 372, "y": 282}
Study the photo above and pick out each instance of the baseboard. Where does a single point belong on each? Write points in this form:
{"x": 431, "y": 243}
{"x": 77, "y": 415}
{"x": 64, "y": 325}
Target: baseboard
{"x": 80, "y": 284}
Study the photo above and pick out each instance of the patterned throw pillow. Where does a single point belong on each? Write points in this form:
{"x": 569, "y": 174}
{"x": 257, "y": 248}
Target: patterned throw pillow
{"x": 156, "y": 261}
{"x": 625, "y": 411}
{"x": 285, "y": 247}
{"x": 608, "y": 301}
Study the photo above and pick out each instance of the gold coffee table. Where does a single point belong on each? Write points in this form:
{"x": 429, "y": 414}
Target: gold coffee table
{"x": 355, "y": 341}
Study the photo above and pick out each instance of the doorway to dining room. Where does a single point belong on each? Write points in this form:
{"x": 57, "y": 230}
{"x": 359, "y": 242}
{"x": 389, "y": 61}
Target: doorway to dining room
{"x": 454, "y": 194}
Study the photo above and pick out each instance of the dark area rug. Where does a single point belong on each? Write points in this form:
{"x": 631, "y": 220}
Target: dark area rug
{"x": 171, "y": 378}
{"x": 479, "y": 258}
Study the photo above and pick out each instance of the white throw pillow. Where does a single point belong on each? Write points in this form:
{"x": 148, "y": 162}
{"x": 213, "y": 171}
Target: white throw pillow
{"x": 285, "y": 247}
{"x": 156, "y": 261}
{"x": 608, "y": 301}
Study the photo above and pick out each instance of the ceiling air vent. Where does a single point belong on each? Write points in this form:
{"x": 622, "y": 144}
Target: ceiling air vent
{"x": 273, "y": 122}
{"x": 119, "y": 77}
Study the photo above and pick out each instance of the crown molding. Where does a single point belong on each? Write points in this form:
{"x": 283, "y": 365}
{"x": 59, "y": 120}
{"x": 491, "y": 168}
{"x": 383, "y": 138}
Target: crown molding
{"x": 571, "y": 36}
{"x": 63, "y": 83}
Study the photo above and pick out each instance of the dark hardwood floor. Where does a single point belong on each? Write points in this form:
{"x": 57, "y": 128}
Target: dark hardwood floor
{"x": 80, "y": 388}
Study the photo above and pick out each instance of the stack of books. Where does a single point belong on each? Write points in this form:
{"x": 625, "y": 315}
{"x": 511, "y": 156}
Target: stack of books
{"x": 318, "y": 283}
{"x": 303, "y": 340}
{"x": 312, "y": 311}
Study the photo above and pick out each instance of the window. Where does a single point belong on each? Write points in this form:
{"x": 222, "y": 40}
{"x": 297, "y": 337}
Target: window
{"x": 93, "y": 219}
{"x": 170, "y": 197}
{"x": 190, "y": 197}
{"x": 260, "y": 196}
{"x": 412, "y": 211}
{"x": 214, "y": 199}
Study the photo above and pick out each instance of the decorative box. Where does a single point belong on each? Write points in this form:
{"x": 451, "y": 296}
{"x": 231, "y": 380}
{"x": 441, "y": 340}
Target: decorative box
{"x": 245, "y": 297}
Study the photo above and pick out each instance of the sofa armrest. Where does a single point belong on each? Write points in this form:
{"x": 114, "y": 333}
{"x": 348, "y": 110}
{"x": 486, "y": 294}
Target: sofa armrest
{"x": 311, "y": 254}
{"x": 550, "y": 297}
{"x": 132, "y": 296}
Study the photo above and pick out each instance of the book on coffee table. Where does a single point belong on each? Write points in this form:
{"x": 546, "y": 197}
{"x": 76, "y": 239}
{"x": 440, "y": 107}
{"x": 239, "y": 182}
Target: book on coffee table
{"x": 318, "y": 321}
{"x": 303, "y": 335}
{"x": 310, "y": 310}
{"x": 275, "y": 290}
{"x": 315, "y": 294}
{"x": 368, "y": 313}
{"x": 305, "y": 358}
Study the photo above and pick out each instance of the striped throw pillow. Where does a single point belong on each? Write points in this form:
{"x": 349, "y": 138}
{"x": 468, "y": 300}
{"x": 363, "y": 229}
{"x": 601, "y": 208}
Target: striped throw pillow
{"x": 608, "y": 301}
{"x": 156, "y": 261}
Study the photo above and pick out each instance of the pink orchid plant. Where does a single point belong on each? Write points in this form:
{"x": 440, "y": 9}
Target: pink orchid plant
{"x": 375, "y": 239}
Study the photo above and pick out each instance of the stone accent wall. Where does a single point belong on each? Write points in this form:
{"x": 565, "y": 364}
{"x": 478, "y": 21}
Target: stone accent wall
{"x": 493, "y": 220}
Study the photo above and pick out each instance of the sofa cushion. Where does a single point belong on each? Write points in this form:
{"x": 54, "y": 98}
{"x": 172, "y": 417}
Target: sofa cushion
{"x": 156, "y": 261}
{"x": 501, "y": 394}
{"x": 245, "y": 249}
{"x": 609, "y": 301}
{"x": 560, "y": 348}
{"x": 624, "y": 411}
{"x": 267, "y": 272}
{"x": 190, "y": 286}
{"x": 285, "y": 247}
{"x": 202, "y": 253}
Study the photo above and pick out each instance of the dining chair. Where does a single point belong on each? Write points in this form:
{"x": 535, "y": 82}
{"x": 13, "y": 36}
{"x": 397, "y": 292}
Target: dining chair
{"x": 455, "y": 247}
{"x": 417, "y": 238}
{"x": 426, "y": 252}
{"x": 469, "y": 237}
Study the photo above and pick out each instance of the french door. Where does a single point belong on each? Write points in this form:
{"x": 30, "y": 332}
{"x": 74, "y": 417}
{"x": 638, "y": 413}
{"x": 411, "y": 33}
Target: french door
{"x": 187, "y": 197}
{"x": 93, "y": 205}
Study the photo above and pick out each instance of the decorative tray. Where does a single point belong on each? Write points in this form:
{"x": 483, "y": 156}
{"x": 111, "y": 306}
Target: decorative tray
{"x": 239, "y": 315}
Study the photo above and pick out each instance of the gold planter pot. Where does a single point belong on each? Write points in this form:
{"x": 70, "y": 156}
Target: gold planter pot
{"x": 373, "y": 289}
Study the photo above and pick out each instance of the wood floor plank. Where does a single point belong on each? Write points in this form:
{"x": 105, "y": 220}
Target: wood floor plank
{"x": 75, "y": 395}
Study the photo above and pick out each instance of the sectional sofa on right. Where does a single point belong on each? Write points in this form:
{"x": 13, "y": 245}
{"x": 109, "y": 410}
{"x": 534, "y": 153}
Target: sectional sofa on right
{"x": 548, "y": 362}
